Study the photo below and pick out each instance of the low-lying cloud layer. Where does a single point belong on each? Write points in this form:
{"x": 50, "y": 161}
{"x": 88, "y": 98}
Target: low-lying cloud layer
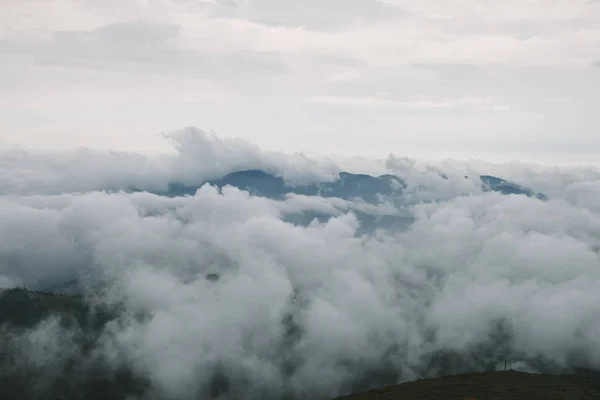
{"x": 311, "y": 310}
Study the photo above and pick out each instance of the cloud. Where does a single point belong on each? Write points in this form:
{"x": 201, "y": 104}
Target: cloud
{"x": 478, "y": 103}
{"x": 134, "y": 41}
{"x": 144, "y": 47}
{"x": 84, "y": 170}
{"x": 307, "y": 310}
{"x": 595, "y": 64}
{"x": 250, "y": 68}
{"x": 452, "y": 71}
{"x": 199, "y": 156}
{"x": 314, "y": 15}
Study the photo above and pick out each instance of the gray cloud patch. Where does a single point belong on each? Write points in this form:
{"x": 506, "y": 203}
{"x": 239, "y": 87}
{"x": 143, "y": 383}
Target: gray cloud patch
{"x": 342, "y": 61}
{"x": 115, "y": 46}
{"x": 130, "y": 33}
{"x": 255, "y": 61}
{"x": 312, "y": 14}
{"x": 141, "y": 46}
{"x": 452, "y": 71}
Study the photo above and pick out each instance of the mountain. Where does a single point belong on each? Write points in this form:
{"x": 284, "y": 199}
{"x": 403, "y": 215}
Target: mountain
{"x": 346, "y": 186}
{"x": 505, "y": 187}
{"x": 258, "y": 183}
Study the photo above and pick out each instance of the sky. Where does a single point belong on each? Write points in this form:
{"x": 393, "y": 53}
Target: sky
{"x": 510, "y": 80}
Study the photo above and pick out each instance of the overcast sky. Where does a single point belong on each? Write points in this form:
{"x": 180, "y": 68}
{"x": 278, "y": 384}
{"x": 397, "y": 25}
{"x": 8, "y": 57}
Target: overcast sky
{"x": 511, "y": 79}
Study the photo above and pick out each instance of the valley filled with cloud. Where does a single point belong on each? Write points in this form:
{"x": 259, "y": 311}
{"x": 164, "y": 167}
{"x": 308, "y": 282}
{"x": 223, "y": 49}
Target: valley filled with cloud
{"x": 233, "y": 271}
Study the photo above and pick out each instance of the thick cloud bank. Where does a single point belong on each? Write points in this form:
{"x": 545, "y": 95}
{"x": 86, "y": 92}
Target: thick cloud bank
{"x": 223, "y": 285}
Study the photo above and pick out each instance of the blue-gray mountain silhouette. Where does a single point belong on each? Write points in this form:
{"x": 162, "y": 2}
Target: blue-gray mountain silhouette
{"x": 258, "y": 183}
{"x": 371, "y": 189}
{"x": 347, "y": 186}
{"x": 505, "y": 187}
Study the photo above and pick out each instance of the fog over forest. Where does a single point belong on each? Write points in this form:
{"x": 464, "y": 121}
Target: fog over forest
{"x": 295, "y": 276}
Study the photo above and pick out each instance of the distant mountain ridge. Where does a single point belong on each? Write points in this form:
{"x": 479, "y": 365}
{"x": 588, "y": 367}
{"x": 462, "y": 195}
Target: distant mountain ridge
{"x": 259, "y": 183}
{"x": 505, "y": 187}
{"x": 347, "y": 186}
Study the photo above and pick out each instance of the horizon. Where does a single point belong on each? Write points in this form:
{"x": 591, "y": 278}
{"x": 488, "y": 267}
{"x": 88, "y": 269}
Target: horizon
{"x": 542, "y": 159}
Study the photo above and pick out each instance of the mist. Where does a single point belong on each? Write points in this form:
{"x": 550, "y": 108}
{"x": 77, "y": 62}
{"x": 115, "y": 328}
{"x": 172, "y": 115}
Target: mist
{"x": 220, "y": 286}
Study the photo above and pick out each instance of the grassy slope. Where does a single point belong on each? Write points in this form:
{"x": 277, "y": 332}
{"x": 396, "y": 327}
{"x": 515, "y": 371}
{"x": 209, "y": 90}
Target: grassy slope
{"x": 509, "y": 385}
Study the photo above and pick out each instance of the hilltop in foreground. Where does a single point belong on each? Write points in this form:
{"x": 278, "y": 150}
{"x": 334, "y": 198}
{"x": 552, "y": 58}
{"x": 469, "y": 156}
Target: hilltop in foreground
{"x": 509, "y": 385}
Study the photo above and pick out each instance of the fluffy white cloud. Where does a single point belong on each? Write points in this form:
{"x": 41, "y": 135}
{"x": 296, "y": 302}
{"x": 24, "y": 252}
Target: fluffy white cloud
{"x": 351, "y": 302}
